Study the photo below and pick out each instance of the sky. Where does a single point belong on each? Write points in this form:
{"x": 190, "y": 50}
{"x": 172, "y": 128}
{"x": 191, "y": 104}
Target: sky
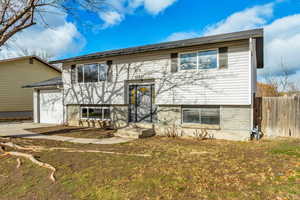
{"x": 127, "y": 23}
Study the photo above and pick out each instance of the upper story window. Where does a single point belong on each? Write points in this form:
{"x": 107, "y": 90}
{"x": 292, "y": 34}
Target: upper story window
{"x": 89, "y": 73}
{"x": 188, "y": 61}
{"x": 199, "y": 60}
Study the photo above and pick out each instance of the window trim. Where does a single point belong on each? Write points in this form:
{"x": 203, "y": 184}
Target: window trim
{"x": 82, "y": 65}
{"x": 197, "y": 52}
{"x": 93, "y": 107}
{"x": 199, "y": 108}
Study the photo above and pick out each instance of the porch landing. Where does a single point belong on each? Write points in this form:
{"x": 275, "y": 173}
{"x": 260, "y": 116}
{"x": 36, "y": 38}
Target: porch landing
{"x": 135, "y": 132}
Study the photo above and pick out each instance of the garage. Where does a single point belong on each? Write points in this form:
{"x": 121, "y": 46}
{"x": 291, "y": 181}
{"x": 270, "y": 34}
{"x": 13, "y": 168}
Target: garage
{"x": 48, "y": 101}
{"x": 51, "y": 106}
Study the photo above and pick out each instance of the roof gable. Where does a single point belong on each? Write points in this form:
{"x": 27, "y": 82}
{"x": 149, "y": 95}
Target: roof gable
{"x": 31, "y": 57}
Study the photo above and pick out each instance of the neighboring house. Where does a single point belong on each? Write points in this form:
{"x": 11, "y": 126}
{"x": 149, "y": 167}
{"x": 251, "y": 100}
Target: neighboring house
{"x": 15, "y": 102}
{"x": 207, "y": 82}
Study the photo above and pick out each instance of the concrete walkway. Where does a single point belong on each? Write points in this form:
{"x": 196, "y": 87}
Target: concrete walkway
{"x": 17, "y": 130}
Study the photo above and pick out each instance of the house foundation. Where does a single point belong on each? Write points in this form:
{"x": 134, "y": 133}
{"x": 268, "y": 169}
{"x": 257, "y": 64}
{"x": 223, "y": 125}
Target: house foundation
{"x": 235, "y": 122}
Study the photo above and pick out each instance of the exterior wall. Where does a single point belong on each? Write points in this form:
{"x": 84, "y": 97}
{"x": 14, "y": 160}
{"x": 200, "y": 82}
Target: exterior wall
{"x": 14, "y": 75}
{"x": 73, "y": 115}
{"x": 236, "y": 118}
{"x": 231, "y": 86}
{"x": 235, "y": 123}
{"x": 36, "y": 106}
{"x": 21, "y": 115}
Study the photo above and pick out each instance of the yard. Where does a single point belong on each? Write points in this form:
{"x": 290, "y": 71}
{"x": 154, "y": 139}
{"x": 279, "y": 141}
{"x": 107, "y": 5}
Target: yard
{"x": 176, "y": 169}
{"x": 76, "y": 132}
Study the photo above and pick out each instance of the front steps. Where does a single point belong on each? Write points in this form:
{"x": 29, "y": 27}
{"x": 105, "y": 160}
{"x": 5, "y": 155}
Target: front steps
{"x": 135, "y": 132}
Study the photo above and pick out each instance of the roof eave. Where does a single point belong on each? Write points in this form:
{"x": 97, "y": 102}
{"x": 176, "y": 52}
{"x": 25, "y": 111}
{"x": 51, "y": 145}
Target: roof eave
{"x": 255, "y": 33}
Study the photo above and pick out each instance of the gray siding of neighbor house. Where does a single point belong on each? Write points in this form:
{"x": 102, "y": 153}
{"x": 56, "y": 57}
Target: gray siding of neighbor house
{"x": 230, "y": 86}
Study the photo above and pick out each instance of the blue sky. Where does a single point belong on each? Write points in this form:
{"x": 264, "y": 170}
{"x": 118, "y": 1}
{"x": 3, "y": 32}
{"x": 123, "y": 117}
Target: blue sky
{"x": 126, "y": 23}
{"x": 182, "y": 16}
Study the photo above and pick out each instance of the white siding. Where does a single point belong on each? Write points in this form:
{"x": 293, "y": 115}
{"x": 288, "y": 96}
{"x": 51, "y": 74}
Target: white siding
{"x": 214, "y": 87}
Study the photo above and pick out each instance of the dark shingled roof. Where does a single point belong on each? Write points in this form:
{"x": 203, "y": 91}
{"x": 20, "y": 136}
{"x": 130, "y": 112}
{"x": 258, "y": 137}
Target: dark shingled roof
{"x": 255, "y": 33}
{"x": 51, "y": 82}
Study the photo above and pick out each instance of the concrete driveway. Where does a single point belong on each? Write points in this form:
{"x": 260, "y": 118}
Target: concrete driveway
{"x": 18, "y": 130}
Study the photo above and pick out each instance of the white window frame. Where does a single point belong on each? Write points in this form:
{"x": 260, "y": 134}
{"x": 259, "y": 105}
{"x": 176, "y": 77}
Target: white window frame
{"x": 82, "y": 65}
{"x": 199, "y": 109}
{"x": 91, "y": 107}
{"x": 197, "y": 52}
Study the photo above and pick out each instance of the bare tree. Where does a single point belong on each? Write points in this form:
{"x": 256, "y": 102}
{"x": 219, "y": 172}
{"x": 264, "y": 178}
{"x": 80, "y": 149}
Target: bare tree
{"x": 281, "y": 81}
{"x": 18, "y": 15}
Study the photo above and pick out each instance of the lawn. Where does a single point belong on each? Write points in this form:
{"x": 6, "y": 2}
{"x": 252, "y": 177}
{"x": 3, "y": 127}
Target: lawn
{"x": 176, "y": 169}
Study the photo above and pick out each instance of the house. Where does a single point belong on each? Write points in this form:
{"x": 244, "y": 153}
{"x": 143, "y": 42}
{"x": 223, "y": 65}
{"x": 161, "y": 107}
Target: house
{"x": 15, "y": 102}
{"x": 201, "y": 83}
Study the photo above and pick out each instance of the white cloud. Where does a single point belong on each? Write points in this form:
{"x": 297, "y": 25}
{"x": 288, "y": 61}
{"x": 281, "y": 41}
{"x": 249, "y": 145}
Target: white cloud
{"x": 116, "y": 10}
{"x": 157, "y": 6}
{"x": 247, "y": 19}
{"x": 58, "y": 38}
{"x": 282, "y": 44}
{"x": 282, "y": 36}
{"x": 182, "y": 36}
{"x": 110, "y": 18}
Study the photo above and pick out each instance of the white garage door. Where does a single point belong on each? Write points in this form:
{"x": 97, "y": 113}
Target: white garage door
{"x": 51, "y": 107}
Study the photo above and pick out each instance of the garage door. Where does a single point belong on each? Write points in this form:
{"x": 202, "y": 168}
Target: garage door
{"x": 51, "y": 107}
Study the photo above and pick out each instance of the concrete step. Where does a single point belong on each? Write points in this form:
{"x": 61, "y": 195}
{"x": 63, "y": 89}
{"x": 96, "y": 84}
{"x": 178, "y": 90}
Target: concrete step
{"x": 134, "y": 133}
{"x": 142, "y": 125}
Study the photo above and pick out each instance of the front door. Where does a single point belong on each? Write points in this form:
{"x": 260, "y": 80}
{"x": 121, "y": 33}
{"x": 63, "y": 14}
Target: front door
{"x": 141, "y": 103}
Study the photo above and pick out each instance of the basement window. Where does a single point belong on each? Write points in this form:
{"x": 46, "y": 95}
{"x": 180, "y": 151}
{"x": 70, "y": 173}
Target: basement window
{"x": 201, "y": 115}
{"x": 99, "y": 113}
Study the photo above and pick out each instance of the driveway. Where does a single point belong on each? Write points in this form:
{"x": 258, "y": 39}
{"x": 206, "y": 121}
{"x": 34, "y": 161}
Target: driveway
{"x": 18, "y": 130}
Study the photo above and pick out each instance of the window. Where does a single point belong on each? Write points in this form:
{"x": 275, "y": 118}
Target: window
{"x": 203, "y": 115}
{"x": 80, "y": 74}
{"x": 188, "y": 61}
{"x": 84, "y": 113}
{"x": 90, "y": 73}
{"x": 199, "y": 60}
{"x": 101, "y": 113}
{"x": 102, "y": 72}
{"x": 207, "y": 59}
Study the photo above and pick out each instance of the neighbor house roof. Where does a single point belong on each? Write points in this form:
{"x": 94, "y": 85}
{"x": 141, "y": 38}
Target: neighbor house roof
{"x": 30, "y": 57}
{"x": 255, "y": 33}
{"x": 51, "y": 82}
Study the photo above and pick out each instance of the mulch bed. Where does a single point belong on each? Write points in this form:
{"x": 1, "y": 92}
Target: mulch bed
{"x": 76, "y": 132}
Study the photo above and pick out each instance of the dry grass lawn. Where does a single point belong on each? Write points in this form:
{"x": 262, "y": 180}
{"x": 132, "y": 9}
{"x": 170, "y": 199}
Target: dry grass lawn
{"x": 177, "y": 169}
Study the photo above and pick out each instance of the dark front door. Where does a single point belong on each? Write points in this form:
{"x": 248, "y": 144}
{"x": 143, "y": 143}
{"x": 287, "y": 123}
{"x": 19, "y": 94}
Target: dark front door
{"x": 141, "y": 103}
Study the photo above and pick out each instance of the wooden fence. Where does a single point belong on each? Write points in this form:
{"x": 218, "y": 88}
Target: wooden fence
{"x": 278, "y": 116}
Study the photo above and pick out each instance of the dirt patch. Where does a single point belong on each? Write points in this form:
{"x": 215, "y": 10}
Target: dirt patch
{"x": 76, "y": 132}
